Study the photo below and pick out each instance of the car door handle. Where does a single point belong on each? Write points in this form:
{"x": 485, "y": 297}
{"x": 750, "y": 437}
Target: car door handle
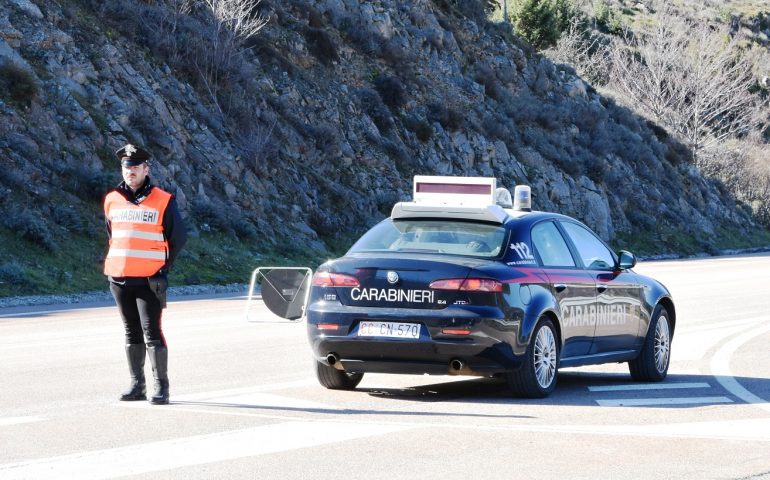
{"x": 601, "y": 287}
{"x": 560, "y": 287}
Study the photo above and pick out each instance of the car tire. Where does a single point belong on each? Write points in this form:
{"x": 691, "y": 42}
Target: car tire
{"x": 537, "y": 376}
{"x": 335, "y": 379}
{"x": 652, "y": 363}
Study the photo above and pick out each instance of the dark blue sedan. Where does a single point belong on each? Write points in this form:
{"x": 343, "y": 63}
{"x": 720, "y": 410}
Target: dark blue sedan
{"x": 461, "y": 282}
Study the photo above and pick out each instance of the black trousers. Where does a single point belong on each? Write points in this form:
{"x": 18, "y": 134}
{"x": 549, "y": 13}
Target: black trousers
{"x": 141, "y": 313}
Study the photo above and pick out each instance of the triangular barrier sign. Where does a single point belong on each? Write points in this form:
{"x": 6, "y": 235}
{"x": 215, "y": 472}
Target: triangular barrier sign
{"x": 284, "y": 290}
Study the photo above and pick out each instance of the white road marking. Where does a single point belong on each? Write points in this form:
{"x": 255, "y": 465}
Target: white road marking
{"x": 750, "y": 430}
{"x": 720, "y": 367}
{"x": 111, "y": 306}
{"x": 196, "y": 450}
{"x": 19, "y": 420}
{"x": 684, "y": 371}
{"x": 743, "y": 321}
{"x": 642, "y": 402}
{"x": 647, "y": 386}
{"x": 694, "y": 344}
{"x": 49, "y": 312}
{"x": 28, "y": 345}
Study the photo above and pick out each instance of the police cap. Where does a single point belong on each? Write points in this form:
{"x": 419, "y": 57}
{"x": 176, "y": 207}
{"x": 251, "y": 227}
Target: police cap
{"x": 131, "y": 155}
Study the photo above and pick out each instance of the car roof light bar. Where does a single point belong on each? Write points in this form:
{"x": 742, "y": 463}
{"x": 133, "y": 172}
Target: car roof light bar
{"x": 468, "y": 198}
{"x": 465, "y": 191}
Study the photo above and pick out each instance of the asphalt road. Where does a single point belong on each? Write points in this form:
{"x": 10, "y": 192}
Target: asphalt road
{"x": 245, "y": 402}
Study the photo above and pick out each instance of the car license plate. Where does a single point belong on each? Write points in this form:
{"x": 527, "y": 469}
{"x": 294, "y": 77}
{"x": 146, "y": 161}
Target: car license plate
{"x": 389, "y": 329}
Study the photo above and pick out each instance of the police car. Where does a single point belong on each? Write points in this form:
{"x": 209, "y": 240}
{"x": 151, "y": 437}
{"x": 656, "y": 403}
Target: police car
{"x": 463, "y": 281}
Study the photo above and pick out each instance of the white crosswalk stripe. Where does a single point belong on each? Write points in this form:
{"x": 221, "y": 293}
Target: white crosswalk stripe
{"x": 656, "y": 401}
{"x": 195, "y": 450}
{"x": 640, "y": 402}
{"x": 648, "y": 386}
{"x": 6, "y": 421}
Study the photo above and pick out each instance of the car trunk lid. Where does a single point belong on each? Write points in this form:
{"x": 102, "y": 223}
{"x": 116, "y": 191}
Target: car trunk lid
{"x": 401, "y": 282}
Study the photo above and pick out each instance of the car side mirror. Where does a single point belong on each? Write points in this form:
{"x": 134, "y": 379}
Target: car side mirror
{"x": 626, "y": 260}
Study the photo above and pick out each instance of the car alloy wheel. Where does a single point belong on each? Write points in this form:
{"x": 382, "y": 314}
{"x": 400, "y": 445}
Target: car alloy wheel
{"x": 662, "y": 346}
{"x": 545, "y": 357}
{"x": 652, "y": 363}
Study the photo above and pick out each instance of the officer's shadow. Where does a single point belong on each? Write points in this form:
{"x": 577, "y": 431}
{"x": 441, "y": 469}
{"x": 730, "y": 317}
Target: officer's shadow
{"x": 331, "y": 411}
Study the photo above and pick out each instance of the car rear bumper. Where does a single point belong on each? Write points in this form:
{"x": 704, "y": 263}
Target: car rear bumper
{"x": 485, "y": 350}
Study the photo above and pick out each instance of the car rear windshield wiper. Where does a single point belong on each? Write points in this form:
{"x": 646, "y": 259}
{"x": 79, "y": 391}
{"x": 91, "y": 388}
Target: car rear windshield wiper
{"x": 419, "y": 250}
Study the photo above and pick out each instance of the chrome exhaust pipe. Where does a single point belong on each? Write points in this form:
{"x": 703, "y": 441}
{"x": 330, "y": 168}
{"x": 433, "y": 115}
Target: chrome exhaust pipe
{"x": 334, "y": 360}
{"x": 456, "y": 365}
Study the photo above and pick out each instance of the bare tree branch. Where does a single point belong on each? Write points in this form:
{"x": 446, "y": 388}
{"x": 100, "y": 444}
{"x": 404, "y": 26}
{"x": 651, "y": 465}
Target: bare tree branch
{"x": 586, "y": 53}
{"x": 234, "y": 22}
{"x": 695, "y": 80}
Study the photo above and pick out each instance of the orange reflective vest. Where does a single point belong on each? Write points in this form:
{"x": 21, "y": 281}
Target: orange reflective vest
{"x": 138, "y": 247}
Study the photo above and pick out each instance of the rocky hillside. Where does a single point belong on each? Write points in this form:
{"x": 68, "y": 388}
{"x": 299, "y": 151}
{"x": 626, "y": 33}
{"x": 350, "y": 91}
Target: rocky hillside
{"x": 283, "y": 146}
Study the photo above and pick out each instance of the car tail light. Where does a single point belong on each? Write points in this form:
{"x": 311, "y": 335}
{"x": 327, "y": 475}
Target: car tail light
{"x": 468, "y": 285}
{"x": 448, "y": 284}
{"x": 328, "y": 326}
{"x": 456, "y": 331}
{"x": 330, "y": 279}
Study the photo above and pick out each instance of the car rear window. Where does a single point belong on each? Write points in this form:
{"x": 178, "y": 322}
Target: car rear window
{"x": 433, "y": 236}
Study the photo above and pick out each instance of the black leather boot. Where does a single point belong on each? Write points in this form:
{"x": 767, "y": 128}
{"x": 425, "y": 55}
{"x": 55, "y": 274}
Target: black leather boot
{"x": 135, "y": 354}
{"x": 159, "y": 359}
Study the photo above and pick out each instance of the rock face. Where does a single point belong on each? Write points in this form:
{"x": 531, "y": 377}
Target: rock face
{"x": 318, "y": 125}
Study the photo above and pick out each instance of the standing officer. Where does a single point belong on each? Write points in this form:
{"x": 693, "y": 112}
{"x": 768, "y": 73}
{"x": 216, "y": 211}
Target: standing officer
{"x": 146, "y": 233}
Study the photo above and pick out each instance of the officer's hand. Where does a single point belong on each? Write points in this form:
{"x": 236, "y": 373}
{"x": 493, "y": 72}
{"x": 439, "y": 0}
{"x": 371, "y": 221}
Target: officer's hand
{"x": 163, "y": 272}
{"x": 158, "y": 283}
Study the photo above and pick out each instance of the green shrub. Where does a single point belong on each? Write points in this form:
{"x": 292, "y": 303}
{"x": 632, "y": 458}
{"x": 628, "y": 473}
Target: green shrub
{"x": 32, "y": 228}
{"x": 397, "y": 55}
{"x": 607, "y": 17}
{"x": 484, "y": 75}
{"x": 327, "y": 137}
{"x": 17, "y": 85}
{"x": 321, "y": 44}
{"x": 372, "y": 105}
{"x": 12, "y": 273}
{"x": 320, "y": 221}
{"x": 565, "y": 11}
{"x": 596, "y": 168}
{"x": 245, "y": 230}
{"x": 419, "y": 126}
{"x": 213, "y": 215}
{"x": 68, "y": 217}
{"x": 391, "y": 90}
{"x": 397, "y": 152}
{"x": 11, "y": 178}
{"x": 496, "y": 126}
{"x": 725, "y": 15}
{"x": 449, "y": 117}
{"x": 367, "y": 41}
{"x": 537, "y": 21}
{"x": 602, "y": 12}
{"x": 314, "y": 18}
